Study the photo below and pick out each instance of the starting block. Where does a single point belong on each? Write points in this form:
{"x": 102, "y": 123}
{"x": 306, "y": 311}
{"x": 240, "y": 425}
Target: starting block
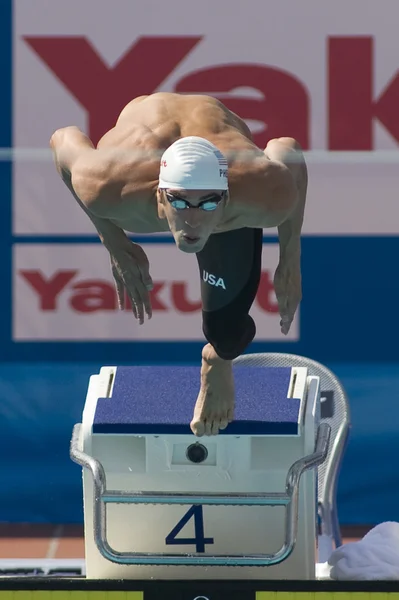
{"x": 160, "y": 503}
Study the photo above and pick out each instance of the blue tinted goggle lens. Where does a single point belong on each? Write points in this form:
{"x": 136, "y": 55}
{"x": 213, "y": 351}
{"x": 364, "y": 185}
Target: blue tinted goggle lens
{"x": 207, "y": 205}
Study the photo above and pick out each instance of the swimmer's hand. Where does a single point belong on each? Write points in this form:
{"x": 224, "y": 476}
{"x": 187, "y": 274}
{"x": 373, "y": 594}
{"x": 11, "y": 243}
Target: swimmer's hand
{"x": 130, "y": 269}
{"x": 288, "y": 289}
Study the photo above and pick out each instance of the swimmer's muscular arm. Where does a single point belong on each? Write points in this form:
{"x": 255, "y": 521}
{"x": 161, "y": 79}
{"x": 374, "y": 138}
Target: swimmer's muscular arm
{"x": 95, "y": 184}
{"x": 287, "y": 153}
{"x": 74, "y": 153}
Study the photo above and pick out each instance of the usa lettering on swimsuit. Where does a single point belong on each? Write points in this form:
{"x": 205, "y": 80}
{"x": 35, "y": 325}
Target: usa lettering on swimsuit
{"x": 213, "y": 280}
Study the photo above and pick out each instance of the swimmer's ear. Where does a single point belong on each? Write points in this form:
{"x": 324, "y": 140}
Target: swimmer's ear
{"x": 161, "y": 205}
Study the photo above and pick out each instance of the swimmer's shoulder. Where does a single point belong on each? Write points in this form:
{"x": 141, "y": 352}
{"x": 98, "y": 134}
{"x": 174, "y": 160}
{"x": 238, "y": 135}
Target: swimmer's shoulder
{"x": 261, "y": 191}
{"x": 106, "y": 177}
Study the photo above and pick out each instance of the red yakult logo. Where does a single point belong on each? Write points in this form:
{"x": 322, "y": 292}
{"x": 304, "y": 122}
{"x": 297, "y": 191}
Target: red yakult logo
{"x": 283, "y": 108}
{"x": 95, "y": 295}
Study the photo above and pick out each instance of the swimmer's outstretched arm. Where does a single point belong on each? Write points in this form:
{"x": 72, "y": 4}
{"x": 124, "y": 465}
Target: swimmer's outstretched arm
{"x": 88, "y": 176}
{"x": 287, "y": 279}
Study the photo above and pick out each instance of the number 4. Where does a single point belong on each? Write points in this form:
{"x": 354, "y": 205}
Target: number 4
{"x": 199, "y": 540}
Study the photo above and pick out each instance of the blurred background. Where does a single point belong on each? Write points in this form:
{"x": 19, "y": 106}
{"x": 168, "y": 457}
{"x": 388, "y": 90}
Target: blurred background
{"x": 324, "y": 73}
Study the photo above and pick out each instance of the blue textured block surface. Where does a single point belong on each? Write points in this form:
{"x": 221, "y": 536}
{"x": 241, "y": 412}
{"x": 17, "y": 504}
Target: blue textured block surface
{"x": 160, "y": 400}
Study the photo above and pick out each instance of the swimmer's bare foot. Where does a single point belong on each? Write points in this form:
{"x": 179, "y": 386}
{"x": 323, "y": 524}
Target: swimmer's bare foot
{"x": 215, "y": 403}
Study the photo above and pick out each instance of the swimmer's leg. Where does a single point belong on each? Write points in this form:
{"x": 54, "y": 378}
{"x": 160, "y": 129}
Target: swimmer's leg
{"x": 214, "y": 408}
{"x": 230, "y": 268}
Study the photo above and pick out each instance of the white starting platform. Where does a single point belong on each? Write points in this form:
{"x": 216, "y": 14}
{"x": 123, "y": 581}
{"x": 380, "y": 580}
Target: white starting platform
{"x": 160, "y": 503}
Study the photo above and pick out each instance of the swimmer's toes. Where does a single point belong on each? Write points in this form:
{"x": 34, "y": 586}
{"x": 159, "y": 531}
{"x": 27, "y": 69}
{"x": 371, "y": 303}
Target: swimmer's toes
{"x": 215, "y": 426}
{"x": 197, "y": 427}
{"x": 209, "y": 426}
{"x": 223, "y": 424}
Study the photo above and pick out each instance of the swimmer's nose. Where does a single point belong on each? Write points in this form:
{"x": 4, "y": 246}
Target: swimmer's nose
{"x": 194, "y": 218}
{"x": 192, "y": 224}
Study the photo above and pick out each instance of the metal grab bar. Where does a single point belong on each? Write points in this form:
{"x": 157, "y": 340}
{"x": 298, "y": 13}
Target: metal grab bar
{"x": 289, "y": 499}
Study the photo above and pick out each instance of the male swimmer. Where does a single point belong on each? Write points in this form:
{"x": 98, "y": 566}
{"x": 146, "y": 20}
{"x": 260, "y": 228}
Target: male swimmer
{"x": 188, "y": 165}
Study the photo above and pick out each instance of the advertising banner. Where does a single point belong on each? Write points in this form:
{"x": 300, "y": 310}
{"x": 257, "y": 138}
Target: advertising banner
{"x": 66, "y": 292}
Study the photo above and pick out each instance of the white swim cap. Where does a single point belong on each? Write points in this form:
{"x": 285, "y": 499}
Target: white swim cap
{"x": 193, "y": 163}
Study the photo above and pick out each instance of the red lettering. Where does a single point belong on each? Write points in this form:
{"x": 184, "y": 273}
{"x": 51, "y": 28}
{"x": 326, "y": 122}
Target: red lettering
{"x": 103, "y": 91}
{"x": 156, "y": 303}
{"x": 265, "y": 295}
{"x": 284, "y": 107}
{"x": 92, "y": 296}
{"x": 48, "y": 290}
{"x": 180, "y": 300}
{"x": 352, "y": 108}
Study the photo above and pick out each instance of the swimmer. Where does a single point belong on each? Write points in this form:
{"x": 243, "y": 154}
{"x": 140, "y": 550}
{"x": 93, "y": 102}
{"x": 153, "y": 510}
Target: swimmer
{"x": 188, "y": 165}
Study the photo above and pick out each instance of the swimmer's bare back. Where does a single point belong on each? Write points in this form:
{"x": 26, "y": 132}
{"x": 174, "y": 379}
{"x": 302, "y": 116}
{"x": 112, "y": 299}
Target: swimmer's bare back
{"x": 125, "y": 165}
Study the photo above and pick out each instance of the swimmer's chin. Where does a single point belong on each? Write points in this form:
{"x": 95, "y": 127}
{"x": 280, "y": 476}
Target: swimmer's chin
{"x": 192, "y": 249}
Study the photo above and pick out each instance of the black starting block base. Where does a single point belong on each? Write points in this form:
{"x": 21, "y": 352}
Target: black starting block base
{"x": 46, "y": 588}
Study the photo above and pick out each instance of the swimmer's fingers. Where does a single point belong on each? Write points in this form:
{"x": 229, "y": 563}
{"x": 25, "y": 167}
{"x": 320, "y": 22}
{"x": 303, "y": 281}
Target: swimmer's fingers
{"x": 144, "y": 267}
{"x": 285, "y": 324}
{"x": 139, "y": 297}
{"x": 135, "y": 299}
{"x": 146, "y": 286}
{"x": 145, "y": 298}
{"x": 285, "y": 314}
{"x": 147, "y": 303}
{"x": 131, "y": 272}
{"x": 291, "y": 307}
{"x": 145, "y": 276}
{"x": 119, "y": 286}
{"x": 282, "y": 301}
{"x": 287, "y": 286}
{"x": 142, "y": 272}
{"x": 294, "y": 298}
{"x": 125, "y": 279}
{"x": 137, "y": 307}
